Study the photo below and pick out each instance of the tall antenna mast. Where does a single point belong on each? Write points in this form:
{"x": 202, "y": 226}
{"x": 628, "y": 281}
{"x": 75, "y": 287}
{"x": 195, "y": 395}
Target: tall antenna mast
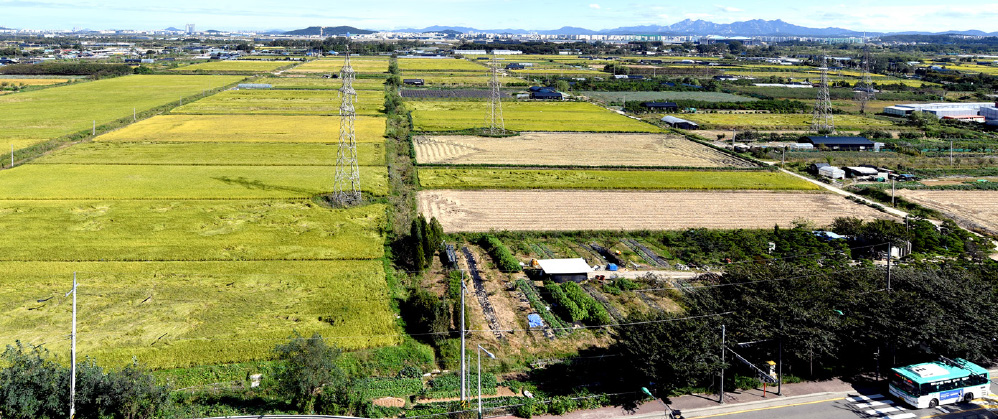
{"x": 346, "y": 187}
{"x": 822, "y": 122}
{"x": 494, "y": 122}
{"x": 864, "y": 89}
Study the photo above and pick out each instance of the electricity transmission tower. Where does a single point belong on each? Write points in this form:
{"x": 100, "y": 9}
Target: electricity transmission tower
{"x": 864, "y": 89}
{"x": 346, "y": 188}
{"x": 822, "y": 121}
{"x": 494, "y": 123}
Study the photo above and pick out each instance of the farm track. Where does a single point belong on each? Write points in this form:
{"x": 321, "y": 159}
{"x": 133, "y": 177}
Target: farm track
{"x": 483, "y": 296}
{"x": 972, "y": 209}
{"x": 646, "y": 253}
{"x": 558, "y": 210}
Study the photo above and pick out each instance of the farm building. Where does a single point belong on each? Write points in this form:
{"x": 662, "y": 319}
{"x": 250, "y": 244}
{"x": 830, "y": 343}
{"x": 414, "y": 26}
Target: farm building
{"x": 413, "y": 82}
{"x": 661, "y": 106}
{"x": 840, "y": 143}
{"x": 515, "y": 66}
{"x": 815, "y": 167}
{"x": 563, "y": 270}
{"x": 860, "y": 171}
{"x": 990, "y": 113}
{"x": 544, "y": 93}
{"x": 680, "y": 123}
{"x": 938, "y": 109}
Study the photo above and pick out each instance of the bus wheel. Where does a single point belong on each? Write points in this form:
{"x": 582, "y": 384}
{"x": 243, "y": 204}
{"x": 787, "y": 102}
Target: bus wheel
{"x": 968, "y": 397}
{"x": 933, "y": 403}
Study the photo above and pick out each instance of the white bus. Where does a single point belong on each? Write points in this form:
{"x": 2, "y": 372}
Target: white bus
{"x": 942, "y": 382}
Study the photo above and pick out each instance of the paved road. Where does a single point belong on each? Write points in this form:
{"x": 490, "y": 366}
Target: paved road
{"x": 856, "y": 407}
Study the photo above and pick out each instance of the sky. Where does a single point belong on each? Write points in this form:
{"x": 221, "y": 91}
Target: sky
{"x": 858, "y": 15}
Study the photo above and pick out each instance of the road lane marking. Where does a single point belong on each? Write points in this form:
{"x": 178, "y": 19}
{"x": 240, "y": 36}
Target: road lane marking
{"x": 901, "y": 416}
{"x": 770, "y": 408}
{"x": 865, "y": 398}
{"x": 942, "y": 409}
{"x": 883, "y": 410}
{"x": 875, "y": 403}
{"x": 944, "y": 414}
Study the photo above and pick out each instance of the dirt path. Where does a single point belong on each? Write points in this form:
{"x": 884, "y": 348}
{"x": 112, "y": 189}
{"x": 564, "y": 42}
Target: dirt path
{"x": 480, "y": 292}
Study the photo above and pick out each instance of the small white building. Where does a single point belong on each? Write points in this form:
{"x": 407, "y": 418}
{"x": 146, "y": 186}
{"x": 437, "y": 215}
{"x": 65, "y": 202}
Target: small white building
{"x": 562, "y": 270}
{"x": 832, "y": 172}
{"x": 938, "y": 109}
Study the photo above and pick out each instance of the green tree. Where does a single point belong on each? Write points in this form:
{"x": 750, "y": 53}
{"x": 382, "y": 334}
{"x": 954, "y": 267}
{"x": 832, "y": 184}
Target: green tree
{"x": 307, "y": 368}
{"x": 32, "y": 385}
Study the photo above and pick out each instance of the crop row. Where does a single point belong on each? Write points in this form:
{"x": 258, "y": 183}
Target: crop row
{"x": 596, "y": 314}
{"x": 542, "y": 309}
{"x": 565, "y": 304}
{"x": 500, "y": 253}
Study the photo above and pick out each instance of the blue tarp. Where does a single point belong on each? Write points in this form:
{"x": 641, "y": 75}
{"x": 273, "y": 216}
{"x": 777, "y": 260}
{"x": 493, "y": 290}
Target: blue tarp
{"x": 611, "y": 267}
{"x": 534, "y": 320}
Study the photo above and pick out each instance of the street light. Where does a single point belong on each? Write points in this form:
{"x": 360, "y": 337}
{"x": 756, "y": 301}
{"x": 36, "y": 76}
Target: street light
{"x": 480, "y": 350}
{"x": 669, "y": 413}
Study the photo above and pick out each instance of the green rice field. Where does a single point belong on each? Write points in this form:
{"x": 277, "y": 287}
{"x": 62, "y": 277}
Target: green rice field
{"x": 438, "y": 64}
{"x": 360, "y": 64}
{"x": 205, "y": 153}
{"x": 179, "y": 230}
{"x": 76, "y": 181}
{"x": 460, "y": 178}
{"x": 319, "y": 83}
{"x": 282, "y": 102}
{"x": 523, "y": 116}
{"x": 40, "y": 115}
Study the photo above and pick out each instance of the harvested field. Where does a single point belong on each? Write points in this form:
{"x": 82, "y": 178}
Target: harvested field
{"x": 460, "y": 211}
{"x": 573, "y": 149}
{"x": 975, "y": 209}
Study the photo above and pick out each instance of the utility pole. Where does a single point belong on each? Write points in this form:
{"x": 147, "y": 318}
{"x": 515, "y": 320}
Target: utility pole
{"x": 721, "y": 399}
{"x": 779, "y": 364}
{"x": 892, "y": 190}
{"x": 134, "y": 116}
{"x": 11, "y": 155}
{"x": 951, "y": 152}
{"x": 93, "y": 131}
{"x": 72, "y": 375}
{"x": 890, "y": 248}
{"x": 464, "y": 370}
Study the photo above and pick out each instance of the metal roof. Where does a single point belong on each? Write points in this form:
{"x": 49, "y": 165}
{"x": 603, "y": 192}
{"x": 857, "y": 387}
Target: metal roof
{"x": 938, "y": 371}
{"x": 564, "y": 266}
{"x": 860, "y": 141}
{"x": 674, "y": 120}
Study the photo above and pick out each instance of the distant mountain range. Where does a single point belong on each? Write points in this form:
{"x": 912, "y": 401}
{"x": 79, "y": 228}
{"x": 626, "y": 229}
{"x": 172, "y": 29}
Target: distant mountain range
{"x": 329, "y": 30}
{"x": 755, "y": 27}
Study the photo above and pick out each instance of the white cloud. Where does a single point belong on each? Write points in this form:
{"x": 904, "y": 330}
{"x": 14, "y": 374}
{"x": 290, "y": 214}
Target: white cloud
{"x": 594, "y": 6}
{"x": 697, "y": 15}
{"x": 729, "y": 9}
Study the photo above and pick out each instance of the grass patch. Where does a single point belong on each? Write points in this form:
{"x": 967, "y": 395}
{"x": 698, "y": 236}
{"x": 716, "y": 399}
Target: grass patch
{"x": 235, "y": 66}
{"x": 186, "y": 230}
{"x": 665, "y": 96}
{"x": 445, "y": 178}
{"x": 438, "y": 64}
{"x": 320, "y": 83}
{"x": 440, "y": 116}
{"x": 204, "y": 153}
{"x": 360, "y": 64}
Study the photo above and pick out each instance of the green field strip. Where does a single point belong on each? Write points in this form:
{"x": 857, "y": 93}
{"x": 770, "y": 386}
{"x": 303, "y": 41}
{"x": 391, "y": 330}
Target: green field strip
{"x": 443, "y": 116}
{"x": 187, "y": 230}
{"x": 62, "y": 110}
{"x": 203, "y": 153}
{"x": 282, "y": 102}
{"x": 456, "y": 178}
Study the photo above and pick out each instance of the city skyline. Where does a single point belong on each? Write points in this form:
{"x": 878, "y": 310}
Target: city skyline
{"x": 254, "y": 15}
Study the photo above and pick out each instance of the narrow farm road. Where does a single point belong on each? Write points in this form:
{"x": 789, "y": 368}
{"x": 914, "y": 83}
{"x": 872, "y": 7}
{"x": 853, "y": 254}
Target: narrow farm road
{"x": 893, "y": 211}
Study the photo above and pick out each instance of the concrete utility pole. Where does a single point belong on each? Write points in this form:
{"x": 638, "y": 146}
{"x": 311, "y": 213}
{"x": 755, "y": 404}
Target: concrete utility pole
{"x": 93, "y": 131}
{"x": 721, "y": 399}
{"x": 11, "y": 155}
{"x": 464, "y": 370}
{"x": 72, "y": 376}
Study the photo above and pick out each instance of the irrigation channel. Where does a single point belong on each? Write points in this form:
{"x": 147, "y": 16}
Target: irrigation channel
{"x": 483, "y": 296}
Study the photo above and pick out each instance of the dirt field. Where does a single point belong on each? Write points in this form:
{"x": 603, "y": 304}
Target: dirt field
{"x": 969, "y": 208}
{"x": 460, "y": 211}
{"x": 563, "y": 149}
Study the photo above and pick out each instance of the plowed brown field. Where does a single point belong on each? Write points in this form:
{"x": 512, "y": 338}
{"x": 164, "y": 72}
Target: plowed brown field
{"x": 572, "y": 149}
{"x": 460, "y": 211}
{"x": 970, "y": 208}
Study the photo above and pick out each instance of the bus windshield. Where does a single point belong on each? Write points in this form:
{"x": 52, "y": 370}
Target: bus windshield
{"x": 905, "y": 385}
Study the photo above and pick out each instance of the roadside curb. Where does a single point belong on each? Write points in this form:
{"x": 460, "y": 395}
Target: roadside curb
{"x": 765, "y": 404}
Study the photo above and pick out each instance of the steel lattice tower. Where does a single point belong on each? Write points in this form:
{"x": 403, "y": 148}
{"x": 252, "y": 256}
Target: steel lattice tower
{"x": 494, "y": 122}
{"x": 346, "y": 187}
{"x": 864, "y": 89}
{"x": 822, "y": 121}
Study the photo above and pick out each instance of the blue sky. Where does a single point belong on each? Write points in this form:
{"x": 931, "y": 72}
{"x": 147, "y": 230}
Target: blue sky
{"x": 860, "y": 15}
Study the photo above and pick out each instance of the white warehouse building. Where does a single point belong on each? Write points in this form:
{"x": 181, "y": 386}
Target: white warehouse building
{"x": 939, "y": 109}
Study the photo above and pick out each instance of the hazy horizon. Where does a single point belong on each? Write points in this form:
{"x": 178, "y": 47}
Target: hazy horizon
{"x": 256, "y": 15}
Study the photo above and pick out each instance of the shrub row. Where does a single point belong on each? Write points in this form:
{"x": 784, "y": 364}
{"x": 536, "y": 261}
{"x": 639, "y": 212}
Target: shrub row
{"x": 392, "y": 387}
{"x": 566, "y": 306}
{"x": 595, "y": 313}
{"x": 503, "y": 258}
